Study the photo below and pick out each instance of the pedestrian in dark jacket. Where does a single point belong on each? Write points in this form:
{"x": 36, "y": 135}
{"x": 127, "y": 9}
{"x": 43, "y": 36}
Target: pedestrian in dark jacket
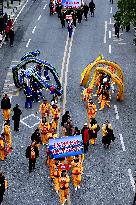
{"x": 62, "y": 18}
{"x": 85, "y": 137}
{"x": 32, "y": 153}
{"x": 76, "y": 131}
{"x": 85, "y": 9}
{"x": 79, "y": 15}
{"x": 11, "y": 36}
{"x": 51, "y": 8}
{"x": 5, "y": 106}
{"x": 134, "y": 202}
{"x": 16, "y": 117}
{"x": 70, "y": 29}
{"x": 74, "y": 17}
{"x": 36, "y": 137}
{"x": 2, "y": 186}
{"x": 65, "y": 118}
{"x": 117, "y": 27}
{"x": 92, "y": 8}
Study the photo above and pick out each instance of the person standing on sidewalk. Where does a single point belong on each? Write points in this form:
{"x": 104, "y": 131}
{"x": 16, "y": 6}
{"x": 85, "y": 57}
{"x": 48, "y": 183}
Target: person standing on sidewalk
{"x": 85, "y": 137}
{"x": 16, "y": 117}
{"x": 11, "y": 36}
{"x": 32, "y": 153}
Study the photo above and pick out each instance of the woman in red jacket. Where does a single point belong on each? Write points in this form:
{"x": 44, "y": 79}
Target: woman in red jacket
{"x": 85, "y": 137}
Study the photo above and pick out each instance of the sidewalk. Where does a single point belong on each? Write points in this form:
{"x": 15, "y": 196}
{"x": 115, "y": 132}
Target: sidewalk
{"x": 12, "y": 11}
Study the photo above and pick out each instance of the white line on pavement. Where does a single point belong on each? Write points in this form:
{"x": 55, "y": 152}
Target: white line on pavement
{"x": 39, "y": 17}
{"x": 121, "y": 43}
{"x": 122, "y": 142}
{"x": 105, "y": 32}
{"x": 66, "y": 73}
{"x": 109, "y": 48}
{"x": 33, "y": 29}
{"x": 20, "y": 11}
{"x": 109, "y": 34}
{"x": 44, "y": 6}
{"x": 111, "y": 10}
{"x": 131, "y": 179}
{"x": 15, "y": 61}
{"x": 116, "y": 112}
{"x": 28, "y": 42}
{"x": 64, "y": 57}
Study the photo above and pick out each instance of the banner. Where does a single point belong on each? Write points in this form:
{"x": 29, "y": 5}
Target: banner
{"x": 69, "y": 17}
{"x": 71, "y": 3}
{"x": 66, "y": 146}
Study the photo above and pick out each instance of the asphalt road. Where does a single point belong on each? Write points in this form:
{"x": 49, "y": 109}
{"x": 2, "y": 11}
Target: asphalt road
{"x": 107, "y": 173}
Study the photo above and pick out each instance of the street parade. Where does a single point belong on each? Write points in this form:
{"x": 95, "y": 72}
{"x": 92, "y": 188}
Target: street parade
{"x": 61, "y": 124}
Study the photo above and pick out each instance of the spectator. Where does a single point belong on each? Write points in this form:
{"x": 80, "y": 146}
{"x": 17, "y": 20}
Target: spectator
{"x": 85, "y": 9}
{"x": 16, "y": 117}
{"x": 11, "y": 36}
{"x": 92, "y": 8}
{"x": 85, "y": 137}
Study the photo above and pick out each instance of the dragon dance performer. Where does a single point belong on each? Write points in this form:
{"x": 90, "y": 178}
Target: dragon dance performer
{"x": 91, "y": 109}
{"x": 7, "y": 134}
{"x": 107, "y": 134}
{"x": 44, "y": 127}
{"x": 44, "y": 108}
{"x": 55, "y": 112}
{"x": 2, "y": 147}
{"x": 76, "y": 173}
{"x": 64, "y": 186}
{"x": 56, "y": 174}
{"x": 104, "y": 98}
{"x": 93, "y": 129}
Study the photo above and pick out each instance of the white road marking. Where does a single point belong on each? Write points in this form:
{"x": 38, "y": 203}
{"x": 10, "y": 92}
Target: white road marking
{"x": 111, "y": 10}
{"x": 33, "y": 30}
{"x": 28, "y": 42}
{"x": 109, "y": 34}
{"x": 116, "y": 112}
{"x": 31, "y": 115}
{"x": 121, "y": 43}
{"x": 122, "y": 142}
{"x": 131, "y": 179}
{"x": 39, "y": 17}
{"x": 20, "y": 11}
{"x": 112, "y": 88}
{"x": 64, "y": 57}
{"x": 109, "y": 48}
{"x": 105, "y": 32}
{"x": 15, "y": 61}
{"x": 66, "y": 73}
{"x": 44, "y": 6}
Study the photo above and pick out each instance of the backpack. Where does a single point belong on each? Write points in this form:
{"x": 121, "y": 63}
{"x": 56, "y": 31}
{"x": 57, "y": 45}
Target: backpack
{"x": 32, "y": 154}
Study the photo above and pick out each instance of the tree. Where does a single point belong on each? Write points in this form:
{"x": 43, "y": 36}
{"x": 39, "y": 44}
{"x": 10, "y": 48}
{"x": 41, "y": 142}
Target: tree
{"x": 126, "y": 14}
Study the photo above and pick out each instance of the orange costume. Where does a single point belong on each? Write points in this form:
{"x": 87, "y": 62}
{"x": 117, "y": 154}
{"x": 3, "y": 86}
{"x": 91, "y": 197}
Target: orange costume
{"x": 104, "y": 101}
{"x": 2, "y": 151}
{"x": 91, "y": 110}
{"x": 45, "y": 127}
{"x": 64, "y": 188}
{"x": 76, "y": 175}
{"x": 57, "y": 175}
{"x": 55, "y": 112}
{"x": 87, "y": 94}
{"x": 44, "y": 108}
{"x": 7, "y": 134}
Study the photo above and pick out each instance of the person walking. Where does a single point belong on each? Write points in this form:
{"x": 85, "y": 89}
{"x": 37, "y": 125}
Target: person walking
{"x": 76, "y": 174}
{"x": 3, "y": 186}
{"x": 85, "y": 10}
{"x": 16, "y": 117}
{"x": 36, "y": 137}
{"x": 85, "y": 137}
{"x": 74, "y": 17}
{"x": 62, "y": 18}
{"x": 107, "y": 134}
{"x": 7, "y": 134}
{"x": 64, "y": 186}
{"x": 51, "y": 8}
{"x": 79, "y": 15}
{"x": 65, "y": 118}
{"x": 32, "y": 153}
{"x": 70, "y": 29}
{"x": 11, "y": 36}
{"x": 76, "y": 131}
{"x": 44, "y": 128}
{"x": 93, "y": 129}
{"x": 2, "y": 147}
{"x": 111, "y": 1}
{"x": 134, "y": 202}
{"x": 5, "y": 106}
{"x": 28, "y": 94}
{"x": 117, "y": 27}
{"x": 92, "y": 8}
{"x": 44, "y": 108}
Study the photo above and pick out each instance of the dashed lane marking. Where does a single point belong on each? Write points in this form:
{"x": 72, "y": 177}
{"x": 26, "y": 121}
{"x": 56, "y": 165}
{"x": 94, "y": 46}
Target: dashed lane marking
{"x": 28, "y": 42}
{"x": 121, "y": 43}
{"x": 44, "y": 6}
{"x": 131, "y": 179}
{"x": 39, "y": 17}
{"x": 122, "y": 142}
{"x": 105, "y": 32}
{"x": 20, "y": 11}
{"x": 111, "y": 10}
{"x": 109, "y": 34}
{"x": 109, "y": 48}
{"x": 33, "y": 30}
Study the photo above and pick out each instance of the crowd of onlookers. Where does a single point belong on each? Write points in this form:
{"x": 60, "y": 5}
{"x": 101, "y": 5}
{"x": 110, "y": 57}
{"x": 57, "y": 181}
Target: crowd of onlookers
{"x": 6, "y": 29}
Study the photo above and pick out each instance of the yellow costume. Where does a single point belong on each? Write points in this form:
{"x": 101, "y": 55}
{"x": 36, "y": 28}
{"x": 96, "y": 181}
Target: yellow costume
{"x": 76, "y": 175}
{"x": 57, "y": 175}
{"x": 55, "y": 112}
{"x": 104, "y": 101}
{"x": 69, "y": 159}
{"x": 45, "y": 127}
{"x": 44, "y": 108}
{"x": 91, "y": 110}
{"x": 93, "y": 128}
{"x": 2, "y": 151}
{"x": 7, "y": 134}
{"x": 6, "y": 114}
{"x": 64, "y": 188}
